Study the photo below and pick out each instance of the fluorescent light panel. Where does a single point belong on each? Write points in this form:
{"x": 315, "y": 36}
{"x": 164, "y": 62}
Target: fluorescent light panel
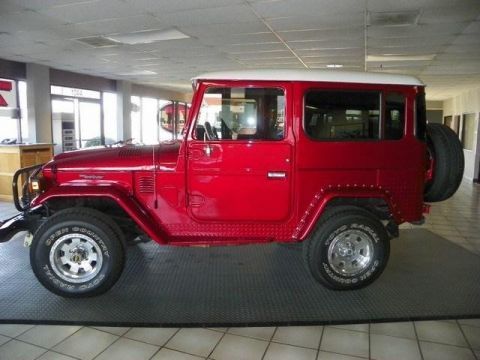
{"x": 400, "y": 57}
{"x": 149, "y": 36}
{"x": 137, "y": 73}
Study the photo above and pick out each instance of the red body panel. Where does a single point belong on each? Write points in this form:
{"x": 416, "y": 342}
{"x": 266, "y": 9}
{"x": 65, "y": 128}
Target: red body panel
{"x": 185, "y": 194}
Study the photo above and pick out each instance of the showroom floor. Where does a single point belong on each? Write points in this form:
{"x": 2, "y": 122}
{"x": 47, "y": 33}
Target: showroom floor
{"x": 456, "y": 219}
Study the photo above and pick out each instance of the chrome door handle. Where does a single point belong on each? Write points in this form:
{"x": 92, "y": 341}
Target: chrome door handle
{"x": 276, "y": 175}
{"x": 207, "y": 150}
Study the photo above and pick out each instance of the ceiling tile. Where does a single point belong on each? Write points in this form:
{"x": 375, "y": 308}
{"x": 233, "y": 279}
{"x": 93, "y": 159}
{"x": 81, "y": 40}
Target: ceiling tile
{"x": 287, "y": 8}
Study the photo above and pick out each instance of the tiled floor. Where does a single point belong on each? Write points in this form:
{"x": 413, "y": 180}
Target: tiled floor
{"x": 456, "y": 219}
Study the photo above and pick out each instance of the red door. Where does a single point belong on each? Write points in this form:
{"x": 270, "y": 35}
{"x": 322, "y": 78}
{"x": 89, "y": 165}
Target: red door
{"x": 242, "y": 170}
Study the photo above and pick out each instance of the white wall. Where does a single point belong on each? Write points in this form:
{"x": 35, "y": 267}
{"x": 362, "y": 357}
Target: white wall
{"x": 467, "y": 103}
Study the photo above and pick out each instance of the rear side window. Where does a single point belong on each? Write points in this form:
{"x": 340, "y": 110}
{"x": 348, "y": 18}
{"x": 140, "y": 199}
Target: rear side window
{"x": 343, "y": 115}
{"x": 420, "y": 117}
{"x": 394, "y": 116}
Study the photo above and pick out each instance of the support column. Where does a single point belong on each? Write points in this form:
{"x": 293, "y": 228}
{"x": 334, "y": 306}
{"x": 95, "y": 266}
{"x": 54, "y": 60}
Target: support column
{"x": 39, "y": 104}
{"x": 124, "y": 108}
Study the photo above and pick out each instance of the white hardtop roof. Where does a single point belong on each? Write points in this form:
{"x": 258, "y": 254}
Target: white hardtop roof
{"x": 312, "y": 75}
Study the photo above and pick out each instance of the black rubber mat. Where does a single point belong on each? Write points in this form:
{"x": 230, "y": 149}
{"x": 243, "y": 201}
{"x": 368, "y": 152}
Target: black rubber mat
{"x": 427, "y": 278}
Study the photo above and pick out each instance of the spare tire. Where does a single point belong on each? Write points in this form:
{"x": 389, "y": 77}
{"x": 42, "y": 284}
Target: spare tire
{"x": 446, "y": 151}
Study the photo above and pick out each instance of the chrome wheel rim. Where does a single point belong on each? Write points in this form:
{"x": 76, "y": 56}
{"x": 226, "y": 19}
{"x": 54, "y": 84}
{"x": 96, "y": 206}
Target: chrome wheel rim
{"x": 76, "y": 258}
{"x": 350, "y": 253}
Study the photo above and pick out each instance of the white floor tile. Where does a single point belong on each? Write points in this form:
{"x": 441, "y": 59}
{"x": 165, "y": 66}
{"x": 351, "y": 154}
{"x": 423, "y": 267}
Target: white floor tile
{"x": 195, "y": 341}
{"x": 345, "y": 342}
{"x": 167, "y": 354}
{"x": 323, "y": 355}
{"x": 233, "y": 347}
{"x": 473, "y": 336}
{"x": 119, "y": 331}
{"x": 383, "y": 347}
{"x": 432, "y": 351}
{"x": 155, "y": 336}
{"x": 353, "y": 327}
{"x": 17, "y": 350}
{"x": 440, "y": 332}
{"x": 86, "y": 343}
{"x": 50, "y": 355}
{"x": 306, "y": 336}
{"x": 287, "y": 352}
{"x": 398, "y": 329}
{"x": 262, "y": 333}
{"x": 218, "y": 329}
{"x": 3, "y": 339}
{"x": 14, "y": 330}
{"x": 48, "y": 335}
{"x": 126, "y": 349}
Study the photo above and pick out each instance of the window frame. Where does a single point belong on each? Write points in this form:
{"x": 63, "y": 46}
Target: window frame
{"x": 217, "y": 85}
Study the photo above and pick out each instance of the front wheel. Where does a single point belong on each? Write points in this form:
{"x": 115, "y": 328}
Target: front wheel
{"x": 77, "y": 253}
{"x": 348, "y": 250}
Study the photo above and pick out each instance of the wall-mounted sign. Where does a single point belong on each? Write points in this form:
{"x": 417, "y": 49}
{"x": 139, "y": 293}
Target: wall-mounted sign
{"x": 7, "y": 96}
{"x": 73, "y": 92}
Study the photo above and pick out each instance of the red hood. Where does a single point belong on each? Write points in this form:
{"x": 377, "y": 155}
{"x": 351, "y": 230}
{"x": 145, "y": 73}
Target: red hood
{"x": 118, "y": 158}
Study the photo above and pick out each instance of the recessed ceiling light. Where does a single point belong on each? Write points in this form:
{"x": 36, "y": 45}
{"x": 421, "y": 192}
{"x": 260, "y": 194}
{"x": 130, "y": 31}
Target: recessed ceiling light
{"x": 334, "y": 66}
{"x": 148, "y": 36}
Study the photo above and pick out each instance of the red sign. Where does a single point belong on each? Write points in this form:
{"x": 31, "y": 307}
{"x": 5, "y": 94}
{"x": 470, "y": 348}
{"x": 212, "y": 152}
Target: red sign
{"x": 5, "y": 86}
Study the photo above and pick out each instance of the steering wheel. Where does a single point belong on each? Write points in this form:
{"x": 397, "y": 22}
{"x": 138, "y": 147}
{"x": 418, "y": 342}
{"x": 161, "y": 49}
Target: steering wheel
{"x": 209, "y": 132}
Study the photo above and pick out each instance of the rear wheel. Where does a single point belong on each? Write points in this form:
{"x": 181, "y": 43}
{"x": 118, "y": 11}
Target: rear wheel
{"x": 446, "y": 152}
{"x": 77, "y": 253}
{"x": 348, "y": 250}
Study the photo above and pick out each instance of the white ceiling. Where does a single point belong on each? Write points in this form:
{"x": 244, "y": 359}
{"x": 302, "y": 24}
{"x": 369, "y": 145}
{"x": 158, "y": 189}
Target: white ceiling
{"x": 239, "y": 34}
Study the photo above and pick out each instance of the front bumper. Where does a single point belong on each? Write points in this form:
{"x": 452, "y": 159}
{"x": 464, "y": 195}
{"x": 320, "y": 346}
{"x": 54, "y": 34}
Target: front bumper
{"x": 25, "y": 221}
{"x": 12, "y": 226}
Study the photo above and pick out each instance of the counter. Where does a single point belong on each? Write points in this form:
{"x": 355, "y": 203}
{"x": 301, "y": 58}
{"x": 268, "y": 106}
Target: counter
{"x": 14, "y": 157}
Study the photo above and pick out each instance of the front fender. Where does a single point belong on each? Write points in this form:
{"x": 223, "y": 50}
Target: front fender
{"x": 128, "y": 203}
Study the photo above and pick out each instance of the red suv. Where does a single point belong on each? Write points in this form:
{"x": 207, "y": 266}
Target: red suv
{"x": 336, "y": 160}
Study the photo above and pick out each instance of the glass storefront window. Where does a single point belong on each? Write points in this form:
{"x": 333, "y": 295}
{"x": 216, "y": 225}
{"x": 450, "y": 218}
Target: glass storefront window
{"x": 149, "y": 121}
{"x": 77, "y": 118}
{"x": 154, "y": 120}
{"x": 136, "y": 119}
{"x": 22, "y": 98}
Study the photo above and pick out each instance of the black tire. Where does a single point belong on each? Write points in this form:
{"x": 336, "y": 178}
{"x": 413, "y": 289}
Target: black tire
{"x": 449, "y": 163}
{"x": 336, "y": 230}
{"x": 95, "y": 258}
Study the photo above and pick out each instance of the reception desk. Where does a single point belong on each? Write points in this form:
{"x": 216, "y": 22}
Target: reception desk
{"x": 14, "y": 157}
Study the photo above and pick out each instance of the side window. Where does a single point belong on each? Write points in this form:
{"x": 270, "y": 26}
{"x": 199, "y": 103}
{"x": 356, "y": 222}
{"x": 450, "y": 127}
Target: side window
{"x": 342, "y": 115}
{"x": 394, "y": 116}
{"x": 420, "y": 117}
{"x": 241, "y": 113}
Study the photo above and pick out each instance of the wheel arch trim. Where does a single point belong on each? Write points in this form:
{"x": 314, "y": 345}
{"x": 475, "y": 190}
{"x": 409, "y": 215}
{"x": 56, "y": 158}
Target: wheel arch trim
{"x": 325, "y": 197}
{"x": 137, "y": 213}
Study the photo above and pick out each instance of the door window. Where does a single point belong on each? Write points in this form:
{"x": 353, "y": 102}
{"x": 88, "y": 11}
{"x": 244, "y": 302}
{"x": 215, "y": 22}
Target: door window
{"x": 241, "y": 114}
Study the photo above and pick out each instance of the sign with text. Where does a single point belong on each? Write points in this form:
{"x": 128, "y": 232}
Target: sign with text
{"x": 7, "y": 94}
